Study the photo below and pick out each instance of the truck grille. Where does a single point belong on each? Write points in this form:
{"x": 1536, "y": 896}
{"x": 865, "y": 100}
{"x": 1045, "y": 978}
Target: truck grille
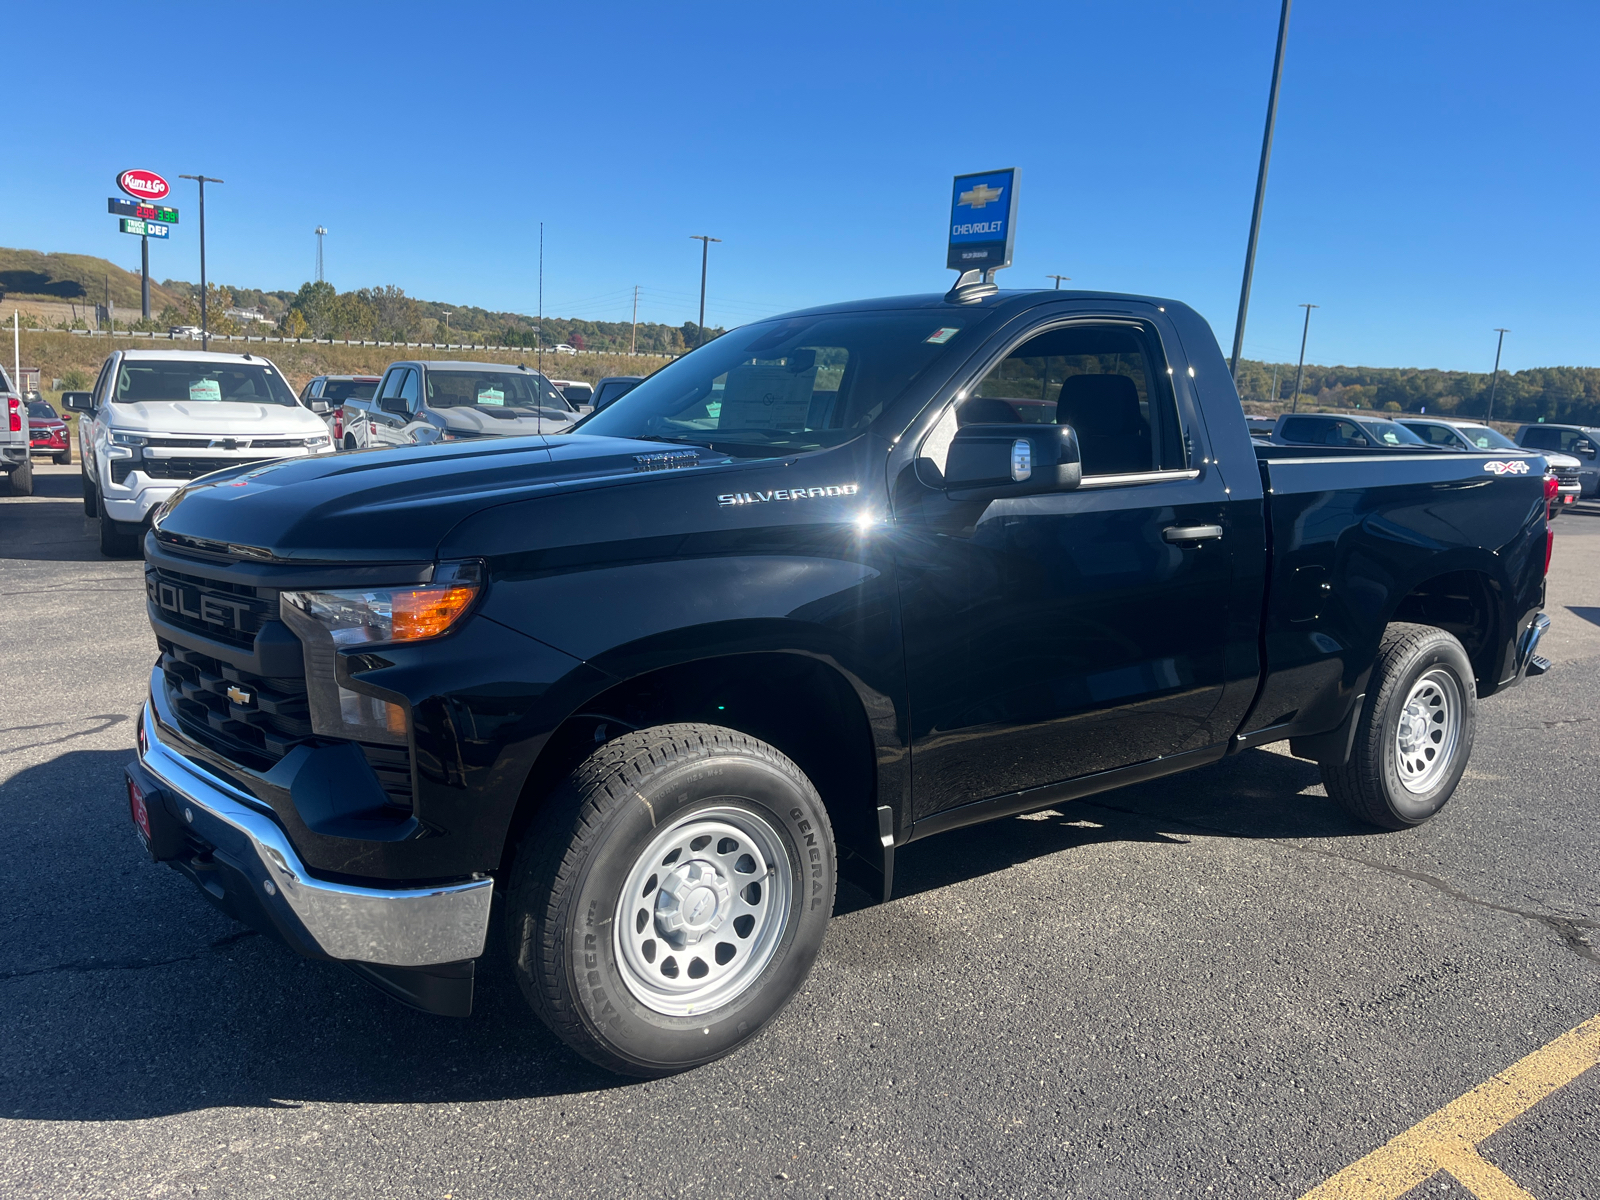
{"x": 1566, "y": 476}
{"x": 228, "y": 612}
{"x": 174, "y": 468}
{"x": 262, "y": 720}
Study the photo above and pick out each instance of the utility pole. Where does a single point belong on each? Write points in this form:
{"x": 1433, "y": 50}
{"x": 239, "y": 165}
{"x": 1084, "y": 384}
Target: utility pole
{"x": 321, "y": 233}
{"x": 633, "y": 338}
{"x": 1059, "y": 279}
{"x": 705, "y": 250}
{"x": 1261, "y": 193}
{"x": 448, "y": 313}
{"x": 205, "y": 329}
{"x": 1301, "y": 370}
{"x": 1274, "y": 383}
{"x": 1496, "y": 379}
{"x": 144, "y": 276}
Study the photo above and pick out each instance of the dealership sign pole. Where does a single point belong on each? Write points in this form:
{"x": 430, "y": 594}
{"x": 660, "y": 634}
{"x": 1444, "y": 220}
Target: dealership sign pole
{"x": 205, "y": 329}
{"x": 142, "y": 216}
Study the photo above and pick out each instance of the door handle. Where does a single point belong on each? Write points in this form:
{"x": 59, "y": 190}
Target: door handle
{"x": 1178, "y": 534}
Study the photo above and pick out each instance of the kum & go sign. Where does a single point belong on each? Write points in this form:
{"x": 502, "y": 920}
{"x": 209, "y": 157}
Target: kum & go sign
{"x": 143, "y": 185}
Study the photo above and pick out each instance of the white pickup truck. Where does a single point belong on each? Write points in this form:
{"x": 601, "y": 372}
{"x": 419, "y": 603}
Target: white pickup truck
{"x": 158, "y": 418}
{"x": 14, "y": 461}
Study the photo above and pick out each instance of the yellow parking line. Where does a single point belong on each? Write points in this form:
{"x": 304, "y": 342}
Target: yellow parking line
{"x": 1447, "y": 1141}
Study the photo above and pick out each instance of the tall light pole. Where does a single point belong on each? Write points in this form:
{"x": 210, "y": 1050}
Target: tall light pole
{"x": 1059, "y": 279}
{"x": 538, "y": 328}
{"x": 1261, "y": 193}
{"x": 321, "y": 233}
{"x": 633, "y": 336}
{"x": 1496, "y": 379}
{"x": 1301, "y": 369}
{"x": 705, "y": 250}
{"x": 205, "y": 329}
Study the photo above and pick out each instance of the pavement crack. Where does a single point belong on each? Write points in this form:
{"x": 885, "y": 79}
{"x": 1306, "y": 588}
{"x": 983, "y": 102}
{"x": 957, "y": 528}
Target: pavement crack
{"x": 1569, "y": 929}
{"x": 108, "y": 720}
{"x": 92, "y": 965}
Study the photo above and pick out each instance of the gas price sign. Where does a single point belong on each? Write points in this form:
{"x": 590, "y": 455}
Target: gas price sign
{"x": 118, "y": 207}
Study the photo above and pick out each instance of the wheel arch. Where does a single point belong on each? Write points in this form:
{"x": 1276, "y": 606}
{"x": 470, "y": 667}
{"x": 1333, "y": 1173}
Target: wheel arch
{"x": 803, "y": 703}
{"x": 1467, "y": 603}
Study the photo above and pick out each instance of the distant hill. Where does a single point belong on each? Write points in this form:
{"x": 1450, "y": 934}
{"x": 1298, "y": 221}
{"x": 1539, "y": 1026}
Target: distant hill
{"x": 79, "y": 278}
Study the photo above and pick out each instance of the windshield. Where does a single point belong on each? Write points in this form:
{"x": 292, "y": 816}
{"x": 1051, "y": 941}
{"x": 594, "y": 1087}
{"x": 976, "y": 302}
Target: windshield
{"x": 141, "y": 382}
{"x": 1392, "y": 433}
{"x": 502, "y": 391}
{"x": 1485, "y": 438}
{"x": 340, "y": 390}
{"x": 794, "y": 384}
{"x": 38, "y": 408}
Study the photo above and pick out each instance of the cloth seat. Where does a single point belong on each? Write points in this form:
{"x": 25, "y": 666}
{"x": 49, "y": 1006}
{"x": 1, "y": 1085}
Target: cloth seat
{"x": 1103, "y": 410}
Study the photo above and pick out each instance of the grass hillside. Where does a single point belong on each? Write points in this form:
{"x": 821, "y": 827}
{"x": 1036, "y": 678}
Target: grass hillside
{"x": 80, "y": 278}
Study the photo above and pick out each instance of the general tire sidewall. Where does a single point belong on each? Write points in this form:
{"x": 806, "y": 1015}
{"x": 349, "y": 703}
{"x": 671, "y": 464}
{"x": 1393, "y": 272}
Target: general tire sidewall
{"x": 652, "y": 1041}
{"x": 1416, "y": 807}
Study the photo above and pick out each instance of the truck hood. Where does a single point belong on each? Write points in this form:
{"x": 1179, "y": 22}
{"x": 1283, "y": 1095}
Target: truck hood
{"x": 1565, "y": 461}
{"x": 217, "y": 418}
{"x": 477, "y": 421}
{"x": 392, "y": 506}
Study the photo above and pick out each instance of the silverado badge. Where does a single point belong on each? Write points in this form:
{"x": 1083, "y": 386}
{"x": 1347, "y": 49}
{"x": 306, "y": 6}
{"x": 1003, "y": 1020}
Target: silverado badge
{"x": 729, "y": 499}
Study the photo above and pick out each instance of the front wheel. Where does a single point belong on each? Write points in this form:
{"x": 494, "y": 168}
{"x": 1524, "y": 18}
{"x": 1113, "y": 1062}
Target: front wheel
{"x": 1414, "y": 734}
{"x": 673, "y": 898}
{"x": 22, "y": 479}
{"x": 64, "y": 459}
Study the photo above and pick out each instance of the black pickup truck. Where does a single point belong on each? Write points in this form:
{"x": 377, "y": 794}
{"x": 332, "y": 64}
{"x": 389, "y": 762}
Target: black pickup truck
{"x": 836, "y": 582}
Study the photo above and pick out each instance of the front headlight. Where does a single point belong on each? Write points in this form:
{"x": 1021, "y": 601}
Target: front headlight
{"x": 328, "y": 622}
{"x": 129, "y": 443}
{"x": 317, "y": 442}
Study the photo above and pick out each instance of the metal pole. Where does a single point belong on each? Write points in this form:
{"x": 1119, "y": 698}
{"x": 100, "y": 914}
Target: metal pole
{"x": 1301, "y": 370}
{"x": 1058, "y": 279}
{"x": 144, "y": 275}
{"x": 538, "y": 331}
{"x": 1274, "y": 383}
{"x": 1261, "y": 193}
{"x": 633, "y": 337}
{"x": 205, "y": 328}
{"x": 705, "y": 250}
{"x": 1494, "y": 381}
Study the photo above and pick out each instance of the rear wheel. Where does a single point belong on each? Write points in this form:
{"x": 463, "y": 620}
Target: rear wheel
{"x": 1414, "y": 734}
{"x": 673, "y": 898}
{"x": 91, "y": 496}
{"x": 118, "y": 540}
{"x": 22, "y": 479}
{"x": 350, "y": 441}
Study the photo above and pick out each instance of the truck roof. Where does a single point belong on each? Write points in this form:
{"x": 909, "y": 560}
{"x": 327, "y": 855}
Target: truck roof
{"x": 190, "y": 356}
{"x": 471, "y": 366}
{"x": 1019, "y": 298}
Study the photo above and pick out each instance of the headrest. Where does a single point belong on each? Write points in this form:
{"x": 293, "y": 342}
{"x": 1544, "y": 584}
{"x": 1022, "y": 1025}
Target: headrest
{"x": 986, "y": 410}
{"x": 1100, "y": 406}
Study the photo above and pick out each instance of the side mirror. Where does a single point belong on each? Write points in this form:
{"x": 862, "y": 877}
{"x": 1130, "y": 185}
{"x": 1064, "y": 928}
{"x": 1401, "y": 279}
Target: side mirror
{"x": 1013, "y": 460}
{"x": 1586, "y": 449}
{"x": 78, "y": 401}
{"x": 319, "y": 406}
{"x": 394, "y": 405}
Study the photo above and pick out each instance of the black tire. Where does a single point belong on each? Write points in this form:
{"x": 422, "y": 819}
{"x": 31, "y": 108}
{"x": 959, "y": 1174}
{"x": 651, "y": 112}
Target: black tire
{"x": 118, "y": 540}
{"x": 21, "y": 479}
{"x": 64, "y": 459}
{"x": 350, "y": 441}
{"x": 572, "y": 867}
{"x": 1373, "y": 785}
{"x": 91, "y": 496}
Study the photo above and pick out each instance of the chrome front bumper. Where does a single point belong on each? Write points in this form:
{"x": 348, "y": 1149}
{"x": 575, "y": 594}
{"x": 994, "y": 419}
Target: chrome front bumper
{"x": 402, "y": 927}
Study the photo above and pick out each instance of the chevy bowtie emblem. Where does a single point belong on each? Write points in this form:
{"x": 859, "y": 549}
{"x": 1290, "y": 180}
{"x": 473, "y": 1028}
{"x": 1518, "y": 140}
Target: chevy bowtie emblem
{"x": 239, "y": 696}
{"x": 227, "y": 443}
{"x": 980, "y": 195}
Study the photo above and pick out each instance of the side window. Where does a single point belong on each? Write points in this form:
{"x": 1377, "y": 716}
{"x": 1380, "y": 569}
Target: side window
{"x": 1344, "y": 433}
{"x": 410, "y": 391}
{"x": 1538, "y": 439}
{"x": 1438, "y": 435}
{"x": 102, "y": 385}
{"x": 1304, "y": 430}
{"x": 1109, "y": 382}
{"x": 391, "y": 385}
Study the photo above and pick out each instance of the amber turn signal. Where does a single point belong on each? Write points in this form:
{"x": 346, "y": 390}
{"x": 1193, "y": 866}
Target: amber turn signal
{"x": 428, "y": 612}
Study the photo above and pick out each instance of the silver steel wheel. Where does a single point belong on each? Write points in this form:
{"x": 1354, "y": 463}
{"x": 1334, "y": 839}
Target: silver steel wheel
{"x": 703, "y": 911}
{"x": 1429, "y": 728}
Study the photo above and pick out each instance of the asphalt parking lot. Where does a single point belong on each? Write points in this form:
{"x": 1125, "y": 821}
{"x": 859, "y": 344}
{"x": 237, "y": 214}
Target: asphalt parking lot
{"x": 1216, "y": 985}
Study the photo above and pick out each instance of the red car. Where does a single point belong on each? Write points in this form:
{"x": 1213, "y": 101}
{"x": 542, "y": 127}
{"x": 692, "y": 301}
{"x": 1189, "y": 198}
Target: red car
{"x": 47, "y": 433}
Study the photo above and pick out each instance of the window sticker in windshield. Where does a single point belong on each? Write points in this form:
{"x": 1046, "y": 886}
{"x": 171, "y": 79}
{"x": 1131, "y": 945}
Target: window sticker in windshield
{"x": 491, "y": 395}
{"x": 766, "y": 396}
{"x": 1391, "y": 439}
{"x": 940, "y": 336}
{"x": 205, "y": 389}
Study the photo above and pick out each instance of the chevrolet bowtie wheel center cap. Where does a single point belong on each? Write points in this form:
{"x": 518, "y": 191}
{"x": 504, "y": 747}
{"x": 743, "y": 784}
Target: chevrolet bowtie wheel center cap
{"x": 693, "y": 902}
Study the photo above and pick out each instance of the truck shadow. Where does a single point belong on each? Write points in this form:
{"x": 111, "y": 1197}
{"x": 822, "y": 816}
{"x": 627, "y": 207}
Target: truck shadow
{"x": 49, "y": 525}
{"x": 1256, "y": 794}
{"x": 129, "y": 997}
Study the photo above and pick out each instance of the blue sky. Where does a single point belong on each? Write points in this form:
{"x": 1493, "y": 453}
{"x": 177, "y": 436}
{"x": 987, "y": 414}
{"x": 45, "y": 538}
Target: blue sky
{"x": 1434, "y": 173}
